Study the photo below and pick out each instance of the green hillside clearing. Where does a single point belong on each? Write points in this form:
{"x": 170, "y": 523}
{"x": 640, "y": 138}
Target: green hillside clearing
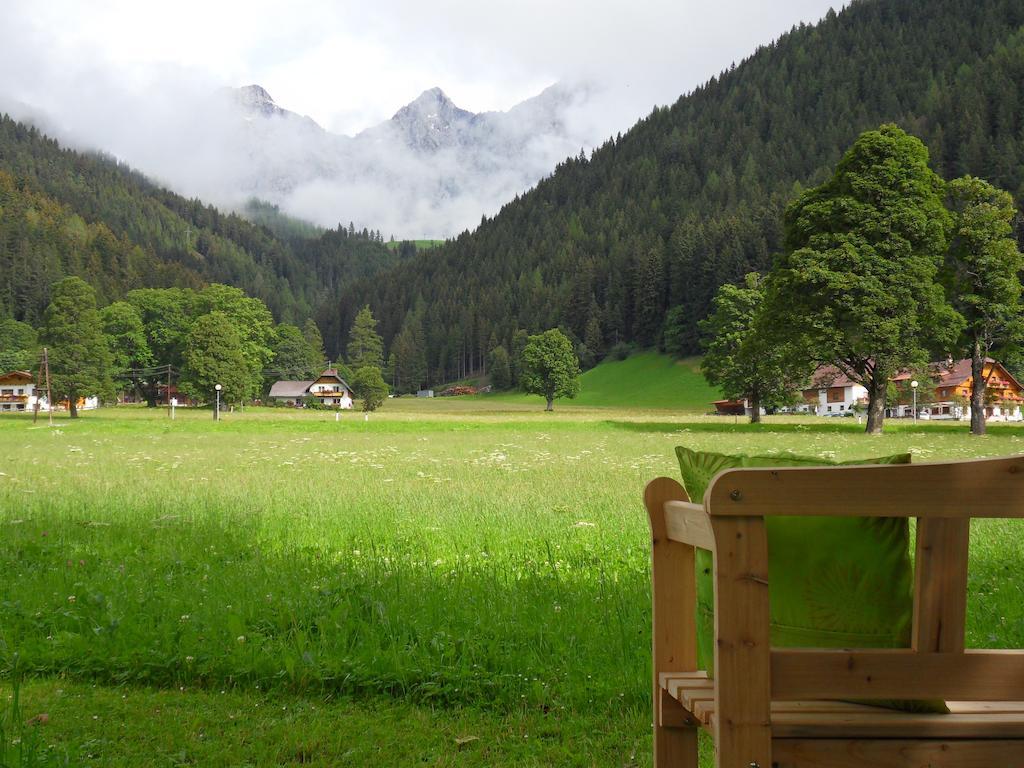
{"x": 421, "y": 245}
{"x": 644, "y": 380}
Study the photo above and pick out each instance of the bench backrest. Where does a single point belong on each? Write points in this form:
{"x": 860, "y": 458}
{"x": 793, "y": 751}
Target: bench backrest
{"x": 943, "y": 496}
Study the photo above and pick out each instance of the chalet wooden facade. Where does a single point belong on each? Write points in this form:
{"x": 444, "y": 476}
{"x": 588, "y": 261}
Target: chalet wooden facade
{"x": 17, "y": 391}
{"x": 329, "y": 389}
{"x": 833, "y": 393}
{"x": 951, "y": 396}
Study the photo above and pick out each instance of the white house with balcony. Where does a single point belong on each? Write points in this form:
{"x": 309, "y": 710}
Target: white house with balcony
{"x": 832, "y": 393}
{"x": 17, "y": 391}
{"x": 328, "y": 388}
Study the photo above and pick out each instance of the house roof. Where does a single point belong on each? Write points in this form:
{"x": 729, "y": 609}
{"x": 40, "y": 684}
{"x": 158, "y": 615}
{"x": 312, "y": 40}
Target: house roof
{"x": 958, "y": 372}
{"x": 290, "y": 388}
{"x": 16, "y": 376}
{"x": 830, "y": 376}
{"x": 332, "y": 373}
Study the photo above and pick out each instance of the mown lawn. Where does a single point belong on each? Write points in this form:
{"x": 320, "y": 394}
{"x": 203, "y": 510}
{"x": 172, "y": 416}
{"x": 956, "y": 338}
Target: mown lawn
{"x": 463, "y": 568}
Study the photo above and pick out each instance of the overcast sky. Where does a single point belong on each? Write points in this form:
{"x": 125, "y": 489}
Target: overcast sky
{"x": 349, "y": 65}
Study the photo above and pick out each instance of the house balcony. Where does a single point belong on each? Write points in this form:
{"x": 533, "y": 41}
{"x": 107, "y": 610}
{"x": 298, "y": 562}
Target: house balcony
{"x": 13, "y": 398}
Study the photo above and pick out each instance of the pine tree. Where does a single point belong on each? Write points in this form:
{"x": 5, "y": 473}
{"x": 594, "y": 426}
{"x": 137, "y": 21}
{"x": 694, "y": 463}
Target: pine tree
{"x": 314, "y": 339}
{"x": 365, "y": 346}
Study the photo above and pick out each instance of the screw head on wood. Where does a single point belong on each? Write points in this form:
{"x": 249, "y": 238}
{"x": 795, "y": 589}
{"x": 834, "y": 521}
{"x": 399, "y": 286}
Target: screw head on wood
{"x": 736, "y": 496}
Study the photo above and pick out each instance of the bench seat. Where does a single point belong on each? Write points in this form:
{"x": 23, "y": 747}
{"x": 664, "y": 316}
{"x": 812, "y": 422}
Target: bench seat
{"x": 838, "y": 719}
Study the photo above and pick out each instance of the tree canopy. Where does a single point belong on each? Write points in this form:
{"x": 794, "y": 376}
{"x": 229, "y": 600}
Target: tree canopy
{"x": 741, "y": 356}
{"x": 78, "y": 354}
{"x": 549, "y": 367}
{"x": 982, "y": 274}
{"x": 214, "y": 355}
{"x": 857, "y": 283}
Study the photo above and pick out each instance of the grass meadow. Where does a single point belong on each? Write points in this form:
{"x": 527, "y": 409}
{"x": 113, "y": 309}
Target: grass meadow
{"x": 458, "y": 583}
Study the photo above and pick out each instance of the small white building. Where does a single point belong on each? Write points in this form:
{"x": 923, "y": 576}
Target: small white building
{"x": 832, "y": 393}
{"x": 329, "y": 389}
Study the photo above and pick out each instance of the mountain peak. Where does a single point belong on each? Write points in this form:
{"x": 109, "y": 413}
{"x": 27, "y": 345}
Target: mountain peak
{"x": 254, "y": 98}
{"x": 432, "y": 104}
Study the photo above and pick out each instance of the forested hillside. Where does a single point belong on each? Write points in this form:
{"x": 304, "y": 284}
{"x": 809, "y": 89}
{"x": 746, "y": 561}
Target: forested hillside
{"x": 68, "y": 213}
{"x": 692, "y": 196}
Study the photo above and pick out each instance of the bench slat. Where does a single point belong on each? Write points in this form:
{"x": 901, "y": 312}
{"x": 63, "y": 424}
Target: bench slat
{"x": 825, "y": 718}
{"x": 891, "y": 753}
{"x": 990, "y": 675}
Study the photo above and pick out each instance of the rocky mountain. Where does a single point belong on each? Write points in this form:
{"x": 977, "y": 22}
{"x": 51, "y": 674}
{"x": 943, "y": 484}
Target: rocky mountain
{"x": 432, "y": 170}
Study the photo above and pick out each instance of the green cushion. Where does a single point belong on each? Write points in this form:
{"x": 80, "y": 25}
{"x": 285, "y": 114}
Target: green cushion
{"x": 834, "y": 582}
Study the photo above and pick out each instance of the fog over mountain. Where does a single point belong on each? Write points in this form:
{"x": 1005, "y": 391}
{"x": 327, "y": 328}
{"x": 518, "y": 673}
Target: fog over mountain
{"x": 146, "y": 82}
{"x": 432, "y": 170}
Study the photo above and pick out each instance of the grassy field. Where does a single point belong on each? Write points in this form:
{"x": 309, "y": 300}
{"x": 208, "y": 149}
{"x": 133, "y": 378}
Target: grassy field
{"x": 643, "y": 380}
{"x": 421, "y": 245}
{"x": 452, "y": 582}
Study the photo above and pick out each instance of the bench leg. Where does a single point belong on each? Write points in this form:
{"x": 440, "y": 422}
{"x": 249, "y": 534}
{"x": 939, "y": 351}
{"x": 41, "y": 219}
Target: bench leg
{"x": 675, "y": 734}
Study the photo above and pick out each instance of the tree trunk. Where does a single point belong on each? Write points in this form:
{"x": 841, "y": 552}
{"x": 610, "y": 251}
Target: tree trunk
{"x": 978, "y": 386}
{"x": 551, "y": 404}
{"x": 72, "y": 406}
{"x": 755, "y": 408}
{"x": 876, "y": 402}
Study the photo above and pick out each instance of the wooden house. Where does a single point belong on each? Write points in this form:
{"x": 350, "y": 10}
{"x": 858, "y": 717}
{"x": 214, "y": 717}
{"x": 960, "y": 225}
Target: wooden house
{"x": 328, "y": 388}
{"x": 17, "y": 391}
{"x": 951, "y": 396}
{"x": 832, "y": 393}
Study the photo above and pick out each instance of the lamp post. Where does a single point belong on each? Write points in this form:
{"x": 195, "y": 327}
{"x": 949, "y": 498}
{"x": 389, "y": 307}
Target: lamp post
{"x": 216, "y": 413}
{"x": 913, "y": 387}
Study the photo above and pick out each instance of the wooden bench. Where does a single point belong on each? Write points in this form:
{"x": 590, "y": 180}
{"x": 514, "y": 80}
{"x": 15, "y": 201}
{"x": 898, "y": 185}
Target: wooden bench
{"x": 775, "y": 707}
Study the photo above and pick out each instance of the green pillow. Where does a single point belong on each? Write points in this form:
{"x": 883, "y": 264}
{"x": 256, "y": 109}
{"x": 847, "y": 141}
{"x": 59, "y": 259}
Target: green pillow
{"x": 834, "y": 582}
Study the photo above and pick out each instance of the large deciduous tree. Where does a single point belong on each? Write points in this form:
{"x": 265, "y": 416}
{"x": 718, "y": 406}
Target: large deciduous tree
{"x": 549, "y": 367}
{"x": 857, "y": 285}
{"x": 167, "y": 316}
{"x": 982, "y": 274}
{"x": 126, "y": 337}
{"x": 253, "y": 323}
{"x": 78, "y": 353}
{"x": 368, "y": 384}
{"x": 214, "y": 355}
{"x": 740, "y": 357}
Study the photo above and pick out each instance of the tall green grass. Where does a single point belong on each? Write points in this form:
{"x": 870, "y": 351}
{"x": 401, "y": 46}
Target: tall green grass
{"x": 489, "y": 559}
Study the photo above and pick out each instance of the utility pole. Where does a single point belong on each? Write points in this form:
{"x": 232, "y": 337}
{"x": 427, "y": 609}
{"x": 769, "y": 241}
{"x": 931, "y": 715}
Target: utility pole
{"x": 49, "y": 391}
{"x": 170, "y": 408}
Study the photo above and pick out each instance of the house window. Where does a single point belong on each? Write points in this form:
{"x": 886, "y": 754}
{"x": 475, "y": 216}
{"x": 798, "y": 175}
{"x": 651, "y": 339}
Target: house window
{"x": 6, "y": 391}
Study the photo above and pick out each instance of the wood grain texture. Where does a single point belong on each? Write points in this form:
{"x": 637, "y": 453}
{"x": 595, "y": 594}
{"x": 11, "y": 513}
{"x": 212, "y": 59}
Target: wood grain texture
{"x": 842, "y": 753}
{"x": 958, "y": 489}
{"x": 897, "y": 674}
{"x": 742, "y": 648}
{"x": 688, "y": 523}
{"x": 673, "y": 631}
{"x": 940, "y": 585}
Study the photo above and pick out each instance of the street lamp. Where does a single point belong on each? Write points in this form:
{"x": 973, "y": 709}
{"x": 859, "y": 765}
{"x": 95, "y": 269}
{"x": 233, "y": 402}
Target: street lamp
{"x": 913, "y": 387}
{"x": 216, "y": 413}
